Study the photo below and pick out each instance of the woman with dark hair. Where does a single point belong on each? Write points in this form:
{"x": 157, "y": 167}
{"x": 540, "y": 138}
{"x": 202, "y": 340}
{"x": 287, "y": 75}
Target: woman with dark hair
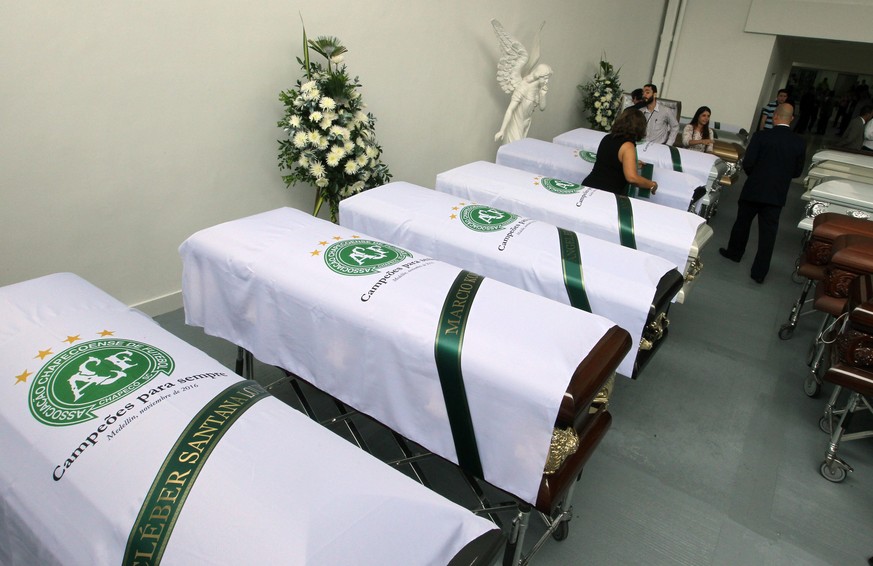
{"x": 696, "y": 135}
{"x": 616, "y": 164}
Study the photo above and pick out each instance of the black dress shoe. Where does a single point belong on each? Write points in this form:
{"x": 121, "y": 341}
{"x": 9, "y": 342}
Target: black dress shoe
{"x": 724, "y": 253}
{"x": 757, "y": 280}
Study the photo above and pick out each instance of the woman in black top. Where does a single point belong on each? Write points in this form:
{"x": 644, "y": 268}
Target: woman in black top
{"x": 616, "y": 163}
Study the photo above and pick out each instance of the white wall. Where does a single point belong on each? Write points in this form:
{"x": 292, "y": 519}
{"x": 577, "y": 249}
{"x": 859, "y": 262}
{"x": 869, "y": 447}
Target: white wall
{"x": 844, "y": 20}
{"x": 128, "y": 125}
{"x": 718, "y": 64}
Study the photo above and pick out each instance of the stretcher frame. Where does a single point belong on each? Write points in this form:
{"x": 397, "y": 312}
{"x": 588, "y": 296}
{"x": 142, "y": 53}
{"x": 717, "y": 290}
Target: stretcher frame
{"x": 555, "y": 512}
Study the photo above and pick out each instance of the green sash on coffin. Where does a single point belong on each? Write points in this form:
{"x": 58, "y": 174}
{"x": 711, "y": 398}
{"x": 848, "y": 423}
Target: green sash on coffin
{"x": 447, "y": 351}
{"x": 571, "y": 262}
{"x": 151, "y": 531}
{"x": 625, "y": 221}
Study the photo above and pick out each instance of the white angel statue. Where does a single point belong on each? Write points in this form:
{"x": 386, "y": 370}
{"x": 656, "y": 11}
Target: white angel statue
{"x": 528, "y": 88}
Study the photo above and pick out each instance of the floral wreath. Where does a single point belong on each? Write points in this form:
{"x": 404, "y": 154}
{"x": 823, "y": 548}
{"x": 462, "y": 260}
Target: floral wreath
{"x": 602, "y": 97}
{"x": 331, "y": 141}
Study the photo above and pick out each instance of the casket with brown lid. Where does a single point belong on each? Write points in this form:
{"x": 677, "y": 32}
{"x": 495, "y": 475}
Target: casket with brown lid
{"x": 851, "y": 256}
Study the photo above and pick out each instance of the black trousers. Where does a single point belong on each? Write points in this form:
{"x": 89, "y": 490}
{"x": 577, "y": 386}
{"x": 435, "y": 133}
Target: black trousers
{"x": 768, "y": 226}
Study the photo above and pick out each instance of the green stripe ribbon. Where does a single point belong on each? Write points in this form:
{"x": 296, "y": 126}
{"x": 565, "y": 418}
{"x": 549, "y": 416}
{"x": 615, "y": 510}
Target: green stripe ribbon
{"x": 646, "y": 171}
{"x": 447, "y": 351}
{"x": 151, "y": 531}
{"x": 625, "y": 222}
{"x": 677, "y": 160}
{"x": 571, "y": 261}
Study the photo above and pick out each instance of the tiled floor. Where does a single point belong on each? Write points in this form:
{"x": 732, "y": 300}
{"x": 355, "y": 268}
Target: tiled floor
{"x": 714, "y": 452}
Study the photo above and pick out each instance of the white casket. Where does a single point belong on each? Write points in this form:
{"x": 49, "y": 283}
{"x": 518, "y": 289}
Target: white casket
{"x": 837, "y": 195}
{"x": 665, "y": 232}
{"x": 122, "y": 444}
{"x": 472, "y": 369}
{"x": 675, "y": 190}
{"x": 830, "y": 163}
{"x": 627, "y": 286}
{"x": 858, "y": 159}
{"x": 705, "y": 167}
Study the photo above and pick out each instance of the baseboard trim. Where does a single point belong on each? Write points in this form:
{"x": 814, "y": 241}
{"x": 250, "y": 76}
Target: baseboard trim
{"x": 160, "y": 305}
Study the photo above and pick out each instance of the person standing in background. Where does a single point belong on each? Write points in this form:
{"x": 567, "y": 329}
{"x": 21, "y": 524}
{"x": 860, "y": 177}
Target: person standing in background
{"x": 853, "y": 137}
{"x": 661, "y": 125}
{"x": 772, "y": 159}
{"x": 766, "y": 122}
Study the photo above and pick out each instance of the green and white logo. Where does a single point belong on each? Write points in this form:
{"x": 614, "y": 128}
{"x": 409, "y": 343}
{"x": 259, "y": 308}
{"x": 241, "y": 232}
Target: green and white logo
{"x": 588, "y": 156}
{"x": 88, "y": 376}
{"x": 559, "y": 186}
{"x": 485, "y": 219}
{"x": 362, "y": 257}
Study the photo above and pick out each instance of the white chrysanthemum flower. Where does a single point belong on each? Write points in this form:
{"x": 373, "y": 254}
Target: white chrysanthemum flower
{"x": 317, "y": 169}
{"x": 299, "y": 140}
{"x": 315, "y": 116}
{"x": 294, "y": 121}
{"x": 332, "y": 160}
{"x": 360, "y": 117}
{"x": 597, "y": 104}
{"x": 307, "y": 86}
{"x": 314, "y": 137}
{"x": 338, "y": 150}
{"x": 349, "y": 146}
{"x": 321, "y": 183}
{"x": 351, "y": 167}
{"x": 361, "y": 160}
{"x": 371, "y": 151}
{"x": 324, "y": 124}
{"x": 303, "y": 162}
{"x": 336, "y": 59}
{"x": 357, "y": 187}
{"x": 327, "y": 103}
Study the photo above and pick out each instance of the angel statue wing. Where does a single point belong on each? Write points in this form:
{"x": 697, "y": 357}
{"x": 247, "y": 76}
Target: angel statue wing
{"x": 514, "y": 58}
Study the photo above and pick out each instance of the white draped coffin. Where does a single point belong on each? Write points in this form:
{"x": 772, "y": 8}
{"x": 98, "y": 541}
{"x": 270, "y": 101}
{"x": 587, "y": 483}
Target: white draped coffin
{"x": 665, "y": 232}
{"x": 400, "y": 336}
{"x": 837, "y": 195}
{"x": 122, "y": 444}
{"x": 829, "y": 164}
{"x": 705, "y": 167}
{"x": 627, "y": 286}
{"x": 675, "y": 189}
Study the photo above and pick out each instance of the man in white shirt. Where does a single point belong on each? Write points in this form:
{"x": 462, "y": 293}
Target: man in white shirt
{"x": 661, "y": 124}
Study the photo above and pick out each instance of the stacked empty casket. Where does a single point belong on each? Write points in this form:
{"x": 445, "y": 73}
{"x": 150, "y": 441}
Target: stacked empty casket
{"x": 827, "y": 164}
{"x": 816, "y": 253}
{"x": 705, "y": 167}
{"x": 852, "y": 372}
{"x": 675, "y": 189}
{"x": 631, "y": 288}
{"x": 478, "y": 372}
{"x": 851, "y": 256}
{"x": 843, "y": 196}
{"x": 672, "y": 234}
{"x": 122, "y": 444}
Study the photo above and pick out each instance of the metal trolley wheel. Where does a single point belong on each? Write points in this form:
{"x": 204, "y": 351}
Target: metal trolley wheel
{"x": 824, "y": 424}
{"x": 786, "y": 331}
{"x": 834, "y": 474}
{"x": 562, "y": 531}
{"x": 811, "y": 386}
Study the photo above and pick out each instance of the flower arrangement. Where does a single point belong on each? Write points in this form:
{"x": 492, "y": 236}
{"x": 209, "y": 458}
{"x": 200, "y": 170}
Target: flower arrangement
{"x": 602, "y": 97}
{"x": 331, "y": 141}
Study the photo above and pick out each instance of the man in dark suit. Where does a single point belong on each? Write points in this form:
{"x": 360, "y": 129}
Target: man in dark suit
{"x": 853, "y": 138}
{"x": 772, "y": 159}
